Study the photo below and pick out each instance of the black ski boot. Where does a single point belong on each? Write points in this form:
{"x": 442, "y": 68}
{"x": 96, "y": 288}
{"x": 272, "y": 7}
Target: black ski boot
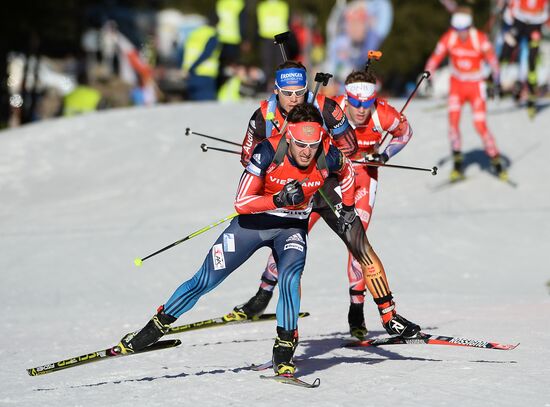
{"x": 456, "y": 173}
{"x": 496, "y": 165}
{"x": 149, "y": 334}
{"x": 356, "y": 320}
{"x": 283, "y": 352}
{"x": 254, "y": 307}
{"x": 402, "y": 327}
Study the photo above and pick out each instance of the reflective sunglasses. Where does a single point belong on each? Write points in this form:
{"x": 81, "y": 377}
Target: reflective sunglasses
{"x": 297, "y": 92}
{"x": 303, "y": 144}
{"x": 358, "y": 103}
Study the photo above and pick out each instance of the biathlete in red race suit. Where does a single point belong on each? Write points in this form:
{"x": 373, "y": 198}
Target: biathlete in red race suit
{"x": 370, "y": 266}
{"x": 274, "y": 200}
{"x": 371, "y": 117}
{"x": 467, "y": 49}
{"x": 528, "y": 17}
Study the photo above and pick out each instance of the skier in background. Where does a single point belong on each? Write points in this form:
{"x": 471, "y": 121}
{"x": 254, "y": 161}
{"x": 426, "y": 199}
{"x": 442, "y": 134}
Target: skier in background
{"x": 467, "y": 49}
{"x": 528, "y": 17}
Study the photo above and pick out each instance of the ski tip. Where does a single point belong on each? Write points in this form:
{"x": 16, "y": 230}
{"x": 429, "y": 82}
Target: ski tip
{"x": 304, "y": 314}
{"x": 138, "y": 262}
{"x": 356, "y": 344}
{"x": 507, "y": 347}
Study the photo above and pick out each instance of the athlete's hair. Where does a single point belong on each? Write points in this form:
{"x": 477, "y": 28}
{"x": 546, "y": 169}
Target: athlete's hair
{"x": 291, "y": 64}
{"x": 305, "y": 112}
{"x": 464, "y": 8}
{"x": 361, "y": 76}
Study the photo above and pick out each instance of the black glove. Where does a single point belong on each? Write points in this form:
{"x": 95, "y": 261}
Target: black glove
{"x": 493, "y": 88}
{"x": 291, "y": 194}
{"x": 347, "y": 216}
{"x": 377, "y": 158}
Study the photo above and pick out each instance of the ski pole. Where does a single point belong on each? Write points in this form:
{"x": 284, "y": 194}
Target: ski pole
{"x": 432, "y": 170}
{"x": 188, "y": 131}
{"x": 425, "y": 75}
{"x": 138, "y": 261}
{"x": 205, "y": 148}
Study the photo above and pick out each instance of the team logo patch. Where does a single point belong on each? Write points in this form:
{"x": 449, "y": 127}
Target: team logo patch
{"x": 308, "y": 130}
{"x": 296, "y": 237}
{"x": 218, "y": 257}
{"x": 338, "y": 114}
{"x": 294, "y": 246}
{"x": 228, "y": 242}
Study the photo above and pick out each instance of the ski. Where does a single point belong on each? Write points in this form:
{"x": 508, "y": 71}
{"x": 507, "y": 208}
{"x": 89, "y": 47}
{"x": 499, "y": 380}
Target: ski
{"x": 96, "y": 357}
{"x": 228, "y": 319}
{"x": 293, "y": 381}
{"x": 427, "y": 339}
{"x": 446, "y": 184}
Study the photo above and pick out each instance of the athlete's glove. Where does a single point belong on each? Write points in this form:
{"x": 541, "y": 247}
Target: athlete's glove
{"x": 493, "y": 88}
{"x": 346, "y": 218}
{"x": 291, "y": 194}
{"x": 377, "y": 158}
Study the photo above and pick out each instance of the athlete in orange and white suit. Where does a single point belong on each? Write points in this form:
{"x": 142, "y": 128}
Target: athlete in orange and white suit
{"x": 467, "y": 49}
{"x": 528, "y": 17}
{"x": 371, "y": 117}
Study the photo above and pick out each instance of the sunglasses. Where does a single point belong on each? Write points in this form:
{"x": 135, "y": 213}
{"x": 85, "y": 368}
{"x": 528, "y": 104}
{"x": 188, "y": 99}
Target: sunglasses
{"x": 303, "y": 144}
{"x": 297, "y": 92}
{"x": 358, "y": 103}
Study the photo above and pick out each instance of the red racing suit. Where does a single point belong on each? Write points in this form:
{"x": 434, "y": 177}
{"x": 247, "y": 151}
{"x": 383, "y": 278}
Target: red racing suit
{"x": 467, "y": 81}
{"x": 270, "y": 116}
{"x": 263, "y": 178}
{"x": 383, "y": 117}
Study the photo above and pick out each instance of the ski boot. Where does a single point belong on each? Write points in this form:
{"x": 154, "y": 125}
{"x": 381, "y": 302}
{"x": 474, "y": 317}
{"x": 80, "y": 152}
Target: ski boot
{"x": 254, "y": 307}
{"x": 283, "y": 352}
{"x": 356, "y": 320}
{"x": 456, "y": 173}
{"x": 394, "y": 323}
{"x": 496, "y": 165}
{"x": 148, "y": 335}
{"x": 402, "y": 327}
{"x": 531, "y": 107}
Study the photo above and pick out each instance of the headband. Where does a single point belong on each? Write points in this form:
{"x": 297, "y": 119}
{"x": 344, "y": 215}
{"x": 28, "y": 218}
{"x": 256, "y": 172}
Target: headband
{"x": 361, "y": 90}
{"x": 291, "y": 77}
{"x": 309, "y": 132}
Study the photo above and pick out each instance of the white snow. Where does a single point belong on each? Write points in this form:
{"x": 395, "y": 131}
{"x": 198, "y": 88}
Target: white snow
{"x": 81, "y": 198}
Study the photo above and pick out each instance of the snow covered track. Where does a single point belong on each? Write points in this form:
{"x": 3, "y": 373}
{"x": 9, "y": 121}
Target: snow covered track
{"x": 81, "y": 198}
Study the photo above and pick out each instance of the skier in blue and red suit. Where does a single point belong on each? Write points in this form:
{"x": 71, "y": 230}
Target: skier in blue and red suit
{"x": 274, "y": 200}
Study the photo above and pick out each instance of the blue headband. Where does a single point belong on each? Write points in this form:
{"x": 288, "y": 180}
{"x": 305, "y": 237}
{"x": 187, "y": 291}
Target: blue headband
{"x": 291, "y": 77}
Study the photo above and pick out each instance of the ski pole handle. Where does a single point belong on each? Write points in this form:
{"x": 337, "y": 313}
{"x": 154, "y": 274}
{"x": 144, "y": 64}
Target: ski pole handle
{"x": 138, "y": 261}
{"x": 425, "y": 75}
{"x": 432, "y": 170}
{"x": 188, "y": 131}
{"x": 205, "y": 148}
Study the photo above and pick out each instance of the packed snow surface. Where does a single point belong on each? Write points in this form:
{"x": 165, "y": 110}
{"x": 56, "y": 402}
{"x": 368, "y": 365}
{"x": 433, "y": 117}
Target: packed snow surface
{"x": 81, "y": 198}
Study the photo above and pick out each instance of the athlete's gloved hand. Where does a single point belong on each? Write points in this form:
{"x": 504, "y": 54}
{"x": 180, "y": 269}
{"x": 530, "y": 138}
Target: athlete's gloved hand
{"x": 347, "y": 216}
{"x": 493, "y": 87}
{"x": 291, "y": 194}
{"x": 378, "y": 158}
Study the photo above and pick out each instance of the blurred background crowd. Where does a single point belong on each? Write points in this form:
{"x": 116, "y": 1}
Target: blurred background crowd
{"x": 65, "y": 57}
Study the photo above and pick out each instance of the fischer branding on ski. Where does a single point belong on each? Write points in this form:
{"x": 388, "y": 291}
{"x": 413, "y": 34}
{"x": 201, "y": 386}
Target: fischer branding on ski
{"x": 96, "y": 357}
{"x": 427, "y": 339}
{"x": 228, "y": 319}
